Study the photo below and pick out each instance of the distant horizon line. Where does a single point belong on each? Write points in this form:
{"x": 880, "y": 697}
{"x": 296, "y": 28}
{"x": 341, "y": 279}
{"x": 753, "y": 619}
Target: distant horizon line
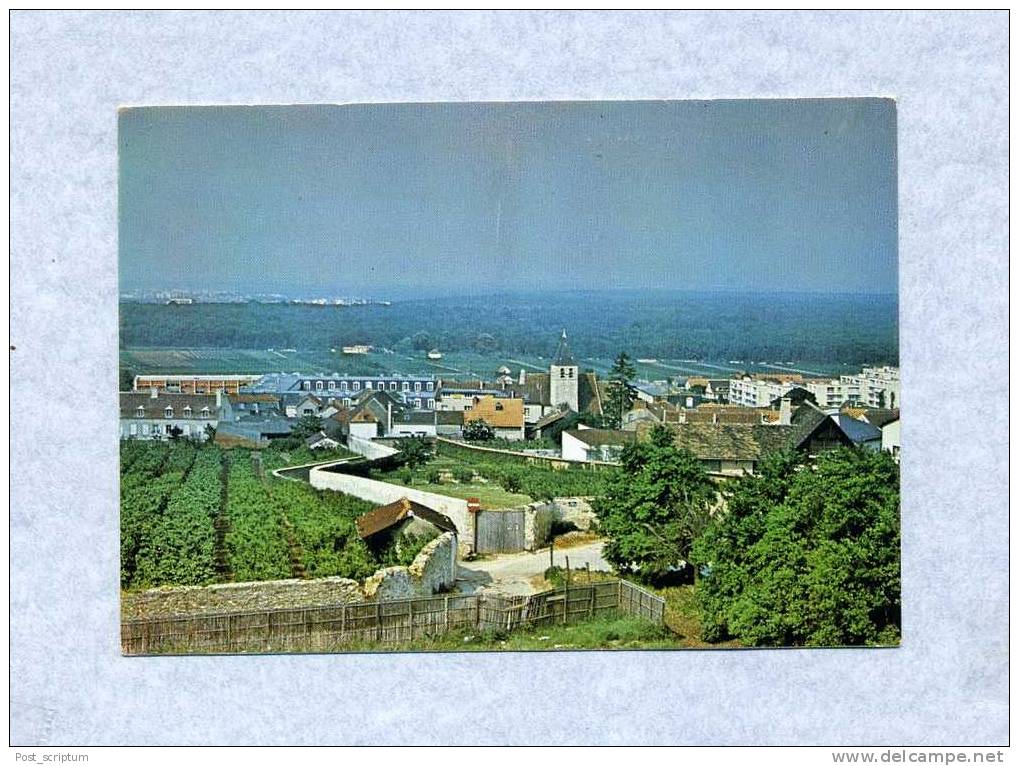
{"x": 399, "y": 295}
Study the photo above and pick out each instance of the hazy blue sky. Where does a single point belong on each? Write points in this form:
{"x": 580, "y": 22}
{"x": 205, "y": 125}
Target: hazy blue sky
{"x": 387, "y": 200}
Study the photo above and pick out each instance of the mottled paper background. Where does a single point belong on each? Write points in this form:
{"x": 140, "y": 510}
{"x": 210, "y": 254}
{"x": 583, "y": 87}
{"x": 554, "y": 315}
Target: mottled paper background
{"x": 69, "y": 685}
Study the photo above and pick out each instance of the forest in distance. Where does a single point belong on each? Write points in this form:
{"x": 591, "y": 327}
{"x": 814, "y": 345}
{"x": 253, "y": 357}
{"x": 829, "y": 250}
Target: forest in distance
{"x": 856, "y": 329}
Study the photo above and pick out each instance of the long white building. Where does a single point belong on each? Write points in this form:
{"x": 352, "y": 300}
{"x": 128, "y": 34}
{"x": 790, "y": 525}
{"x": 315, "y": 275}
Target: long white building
{"x": 871, "y": 387}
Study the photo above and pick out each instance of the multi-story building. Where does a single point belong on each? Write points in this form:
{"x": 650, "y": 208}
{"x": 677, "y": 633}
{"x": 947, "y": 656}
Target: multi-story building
{"x": 831, "y": 392}
{"x": 760, "y": 390}
{"x": 460, "y": 399}
{"x": 158, "y": 415}
{"x": 879, "y": 386}
{"x": 872, "y": 387}
{"x": 194, "y": 384}
{"x": 415, "y": 391}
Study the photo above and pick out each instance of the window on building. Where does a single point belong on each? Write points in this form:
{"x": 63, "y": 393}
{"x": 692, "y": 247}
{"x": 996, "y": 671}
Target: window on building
{"x": 431, "y": 404}
{"x": 417, "y": 386}
{"x": 367, "y": 385}
{"x": 332, "y": 385}
{"x": 357, "y": 385}
{"x": 392, "y": 385}
{"x": 140, "y": 412}
{"x": 187, "y": 411}
{"x": 168, "y": 429}
{"x": 406, "y": 386}
{"x": 205, "y": 413}
{"x": 145, "y": 429}
{"x": 562, "y": 372}
{"x": 570, "y": 371}
{"x": 431, "y": 386}
{"x": 134, "y": 429}
{"x": 168, "y": 412}
{"x": 318, "y": 385}
{"x": 382, "y": 385}
{"x": 417, "y": 404}
{"x": 346, "y": 401}
{"x": 306, "y": 385}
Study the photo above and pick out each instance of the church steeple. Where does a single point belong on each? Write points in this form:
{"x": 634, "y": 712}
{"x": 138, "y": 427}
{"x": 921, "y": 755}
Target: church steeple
{"x": 563, "y": 357}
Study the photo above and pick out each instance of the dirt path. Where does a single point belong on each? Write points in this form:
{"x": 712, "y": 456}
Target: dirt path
{"x": 511, "y": 573}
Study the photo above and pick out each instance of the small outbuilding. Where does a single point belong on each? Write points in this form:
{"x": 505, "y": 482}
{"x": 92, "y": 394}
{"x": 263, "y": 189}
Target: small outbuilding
{"x": 388, "y": 524}
{"x": 321, "y": 441}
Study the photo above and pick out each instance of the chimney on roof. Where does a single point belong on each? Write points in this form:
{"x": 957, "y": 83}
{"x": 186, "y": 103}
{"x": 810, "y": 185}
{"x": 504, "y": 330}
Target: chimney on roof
{"x": 785, "y": 411}
{"x": 154, "y": 392}
{"x": 523, "y": 376}
{"x": 219, "y": 397}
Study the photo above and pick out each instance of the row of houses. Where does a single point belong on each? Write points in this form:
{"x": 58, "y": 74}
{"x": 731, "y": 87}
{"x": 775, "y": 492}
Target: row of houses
{"x": 731, "y": 440}
{"x": 261, "y": 407}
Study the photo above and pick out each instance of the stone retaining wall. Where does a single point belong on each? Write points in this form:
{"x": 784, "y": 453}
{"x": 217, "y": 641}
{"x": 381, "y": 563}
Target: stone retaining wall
{"x": 538, "y": 519}
{"x": 433, "y": 570}
{"x": 382, "y": 492}
{"x": 241, "y": 597}
{"x": 368, "y": 448}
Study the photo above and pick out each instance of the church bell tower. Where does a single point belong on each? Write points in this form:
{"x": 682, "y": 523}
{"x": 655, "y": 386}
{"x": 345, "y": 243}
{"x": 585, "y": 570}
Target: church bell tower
{"x": 564, "y": 377}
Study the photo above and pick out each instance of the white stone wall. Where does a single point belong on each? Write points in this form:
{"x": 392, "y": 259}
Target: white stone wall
{"x": 240, "y": 597}
{"x": 433, "y": 570}
{"x": 576, "y": 510}
{"x": 538, "y": 518}
{"x": 382, "y": 493}
{"x": 364, "y": 430}
{"x": 368, "y": 448}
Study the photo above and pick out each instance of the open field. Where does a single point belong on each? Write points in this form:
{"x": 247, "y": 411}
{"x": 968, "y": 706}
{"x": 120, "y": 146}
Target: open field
{"x": 489, "y": 495}
{"x": 152, "y": 361}
{"x": 238, "y": 361}
{"x": 162, "y": 360}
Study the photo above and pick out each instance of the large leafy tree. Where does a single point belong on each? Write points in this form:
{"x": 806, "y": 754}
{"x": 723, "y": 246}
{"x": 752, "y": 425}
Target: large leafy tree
{"x": 806, "y": 554}
{"x": 478, "y": 431}
{"x": 621, "y": 393}
{"x": 416, "y": 451}
{"x": 654, "y": 506}
{"x": 306, "y": 426}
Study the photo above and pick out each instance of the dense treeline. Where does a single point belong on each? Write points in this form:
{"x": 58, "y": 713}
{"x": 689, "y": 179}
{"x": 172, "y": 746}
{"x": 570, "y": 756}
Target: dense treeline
{"x": 803, "y": 553}
{"x": 850, "y": 329}
{"x": 806, "y": 556}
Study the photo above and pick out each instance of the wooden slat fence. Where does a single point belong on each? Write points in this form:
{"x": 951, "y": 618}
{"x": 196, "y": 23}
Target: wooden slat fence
{"x": 326, "y": 628}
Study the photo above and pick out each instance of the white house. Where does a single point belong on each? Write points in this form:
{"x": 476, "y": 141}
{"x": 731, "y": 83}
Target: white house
{"x": 155, "y": 415}
{"x": 891, "y": 439}
{"x": 602, "y": 444}
{"x": 413, "y": 423}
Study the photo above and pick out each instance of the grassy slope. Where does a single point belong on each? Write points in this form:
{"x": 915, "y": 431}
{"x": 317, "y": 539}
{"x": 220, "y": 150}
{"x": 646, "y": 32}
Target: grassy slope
{"x": 490, "y": 495}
